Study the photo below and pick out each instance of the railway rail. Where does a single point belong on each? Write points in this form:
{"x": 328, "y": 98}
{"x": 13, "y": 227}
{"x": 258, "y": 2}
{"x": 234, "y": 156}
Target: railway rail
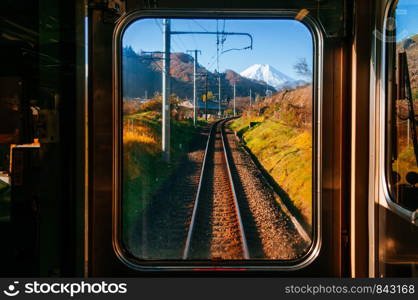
{"x": 216, "y": 229}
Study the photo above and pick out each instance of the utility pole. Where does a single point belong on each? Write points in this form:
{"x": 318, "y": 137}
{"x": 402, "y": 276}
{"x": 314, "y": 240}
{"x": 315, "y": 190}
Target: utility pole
{"x": 219, "y": 94}
{"x": 166, "y": 78}
{"x": 194, "y": 84}
{"x": 234, "y": 99}
{"x": 251, "y": 103}
{"x": 166, "y": 90}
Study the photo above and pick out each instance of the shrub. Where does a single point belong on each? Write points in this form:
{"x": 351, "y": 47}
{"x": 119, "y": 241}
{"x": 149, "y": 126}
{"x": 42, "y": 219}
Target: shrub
{"x": 152, "y": 105}
{"x": 130, "y": 106}
{"x": 229, "y": 112}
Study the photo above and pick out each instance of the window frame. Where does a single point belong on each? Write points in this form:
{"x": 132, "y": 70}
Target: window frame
{"x": 170, "y": 265}
{"x": 388, "y": 61}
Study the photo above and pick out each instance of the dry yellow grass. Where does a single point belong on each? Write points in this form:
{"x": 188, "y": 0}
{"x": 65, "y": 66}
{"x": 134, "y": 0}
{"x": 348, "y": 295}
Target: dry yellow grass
{"x": 138, "y": 141}
{"x": 144, "y": 168}
{"x": 405, "y": 163}
{"x": 282, "y": 143}
{"x": 141, "y": 134}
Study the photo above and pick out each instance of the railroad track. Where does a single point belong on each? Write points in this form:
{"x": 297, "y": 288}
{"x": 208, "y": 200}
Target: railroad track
{"x": 216, "y": 230}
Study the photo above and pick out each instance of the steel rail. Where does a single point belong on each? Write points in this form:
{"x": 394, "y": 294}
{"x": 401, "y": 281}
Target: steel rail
{"x": 212, "y": 134}
{"x": 199, "y": 188}
{"x": 237, "y": 210}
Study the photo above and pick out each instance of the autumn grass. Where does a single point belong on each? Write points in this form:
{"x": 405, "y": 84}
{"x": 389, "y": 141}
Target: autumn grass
{"x": 284, "y": 151}
{"x": 405, "y": 163}
{"x": 144, "y": 169}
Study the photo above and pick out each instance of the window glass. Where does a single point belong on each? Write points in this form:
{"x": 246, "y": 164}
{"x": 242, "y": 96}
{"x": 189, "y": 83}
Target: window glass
{"x": 403, "y": 104}
{"x": 217, "y": 139}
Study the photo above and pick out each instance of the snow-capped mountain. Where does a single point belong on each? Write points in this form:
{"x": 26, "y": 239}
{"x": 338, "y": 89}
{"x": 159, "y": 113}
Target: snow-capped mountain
{"x": 271, "y": 76}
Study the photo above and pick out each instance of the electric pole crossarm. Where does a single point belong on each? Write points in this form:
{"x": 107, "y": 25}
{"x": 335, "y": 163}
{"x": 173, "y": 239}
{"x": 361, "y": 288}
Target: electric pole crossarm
{"x": 236, "y": 49}
{"x": 152, "y": 52}
{"x": 214, "y": 32}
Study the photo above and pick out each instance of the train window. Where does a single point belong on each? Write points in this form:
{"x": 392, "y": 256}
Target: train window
{"x": 403, "y": 104}
{"x": 217, "y": 141}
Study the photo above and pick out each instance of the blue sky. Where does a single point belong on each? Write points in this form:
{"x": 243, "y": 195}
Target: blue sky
{"x": 406, "y": 19}
{"x": 279, "y": 43}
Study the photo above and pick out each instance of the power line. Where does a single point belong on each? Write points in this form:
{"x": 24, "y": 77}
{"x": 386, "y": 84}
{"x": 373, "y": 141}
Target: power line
{"x": 180, "y": 48}
{"x": 212, "y": 61}
{"x": 159, "y": 25}
{"x": 167, "y": 32}
{"x": 217, "y": 33}
{"x": 194, "y": 40}
{"x": 182, "y": 43}
{"x": 226, "y": 33}
{"x": 223, "y": 37}
{"x": 200, "y": 25}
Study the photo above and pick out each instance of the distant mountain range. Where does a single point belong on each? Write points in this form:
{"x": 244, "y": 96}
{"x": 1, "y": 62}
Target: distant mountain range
{"x": 142, "y": 77}
{"x": 271, "y": 76}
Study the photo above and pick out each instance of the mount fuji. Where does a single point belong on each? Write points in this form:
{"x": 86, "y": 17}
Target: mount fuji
{"x": 271, "y": 76}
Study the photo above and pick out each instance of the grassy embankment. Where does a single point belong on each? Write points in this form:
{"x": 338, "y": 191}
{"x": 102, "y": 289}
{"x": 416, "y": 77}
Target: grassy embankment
{"x": 281, "y": 141}
{"x": 144, "y": 169}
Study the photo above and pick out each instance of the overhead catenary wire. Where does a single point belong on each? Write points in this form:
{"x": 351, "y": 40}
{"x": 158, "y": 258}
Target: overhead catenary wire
{"x": 193, "y": 37}
{"x": 223, "y": 36}
{"x": 201, "y": 26}
{"x": 166, "y": 54}
{"x": 183, "y": 45}
{"x": 180, "y": 48}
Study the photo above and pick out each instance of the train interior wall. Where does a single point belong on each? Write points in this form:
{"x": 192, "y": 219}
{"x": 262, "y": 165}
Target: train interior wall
{"x": 60, "y": 219}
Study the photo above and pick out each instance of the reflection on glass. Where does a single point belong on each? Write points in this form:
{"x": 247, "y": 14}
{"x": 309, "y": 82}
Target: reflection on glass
{"x": 404, "y": 145}
{"x": 217, "y": 139}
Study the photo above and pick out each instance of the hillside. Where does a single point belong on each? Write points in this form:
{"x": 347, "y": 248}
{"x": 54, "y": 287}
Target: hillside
{"x": 142, "y": 75}
{"x": 281, "y": 141}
